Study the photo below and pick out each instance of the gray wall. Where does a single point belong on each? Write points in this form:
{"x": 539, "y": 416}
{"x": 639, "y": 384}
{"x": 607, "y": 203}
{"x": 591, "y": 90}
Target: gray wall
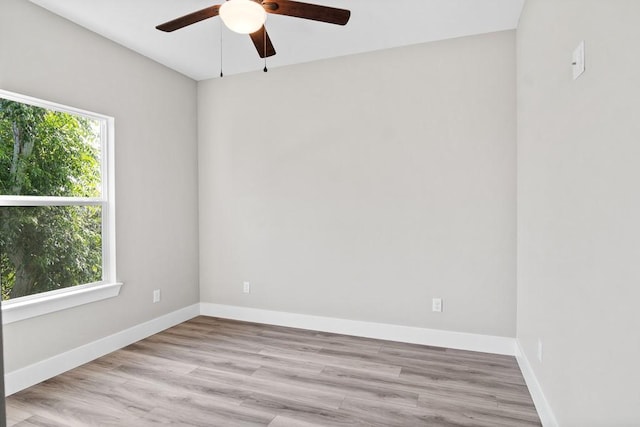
{"x": 362, "y": 187}
{"x": 156, "y": 179}
{"x": 578, "y": 207}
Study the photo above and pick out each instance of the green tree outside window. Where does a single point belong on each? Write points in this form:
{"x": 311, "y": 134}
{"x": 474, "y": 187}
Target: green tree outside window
{"x": 47, "y": 153}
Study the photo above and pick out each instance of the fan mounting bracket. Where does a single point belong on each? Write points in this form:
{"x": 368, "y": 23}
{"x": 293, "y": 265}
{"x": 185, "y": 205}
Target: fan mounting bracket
{"x": 270, "y": 5}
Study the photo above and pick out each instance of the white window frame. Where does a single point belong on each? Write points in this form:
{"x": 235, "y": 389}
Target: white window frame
{"x": 48, "y": 302}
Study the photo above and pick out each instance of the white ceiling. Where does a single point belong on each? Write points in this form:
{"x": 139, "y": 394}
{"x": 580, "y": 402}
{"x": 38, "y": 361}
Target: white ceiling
{"x": 196, "y": 50}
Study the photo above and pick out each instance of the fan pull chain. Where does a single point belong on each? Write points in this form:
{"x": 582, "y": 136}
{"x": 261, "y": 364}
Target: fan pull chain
{"x": 220, "y": 27}
{"x": 265, "y": 48}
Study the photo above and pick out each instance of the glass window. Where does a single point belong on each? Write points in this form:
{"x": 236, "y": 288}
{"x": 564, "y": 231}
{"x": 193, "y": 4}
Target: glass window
{"x": 56, "y": 216}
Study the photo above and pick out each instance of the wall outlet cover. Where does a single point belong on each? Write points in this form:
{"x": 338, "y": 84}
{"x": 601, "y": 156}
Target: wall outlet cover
{"x": 577, "y": 63}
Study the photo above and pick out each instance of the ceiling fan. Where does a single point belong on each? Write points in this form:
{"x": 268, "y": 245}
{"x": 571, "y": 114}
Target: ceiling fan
{"x": 248, "y": 17}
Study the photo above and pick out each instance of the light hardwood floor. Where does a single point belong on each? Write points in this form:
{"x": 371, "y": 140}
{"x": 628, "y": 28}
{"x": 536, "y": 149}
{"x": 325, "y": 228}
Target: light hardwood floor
{"x": 215, "y": 372}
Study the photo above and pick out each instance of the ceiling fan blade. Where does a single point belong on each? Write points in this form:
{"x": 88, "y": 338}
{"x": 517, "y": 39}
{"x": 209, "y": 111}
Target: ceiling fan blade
{"x": 189, "y": 19}
{"x": 258, "y": 42}
{"x": 314, "y": 12}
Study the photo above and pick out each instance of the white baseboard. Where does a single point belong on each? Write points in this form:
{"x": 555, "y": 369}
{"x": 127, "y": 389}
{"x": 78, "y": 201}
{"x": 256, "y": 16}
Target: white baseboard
{"x": 408, "y": 334}
{"x": 48, "y": 368}
{"x": 542, "y": 405}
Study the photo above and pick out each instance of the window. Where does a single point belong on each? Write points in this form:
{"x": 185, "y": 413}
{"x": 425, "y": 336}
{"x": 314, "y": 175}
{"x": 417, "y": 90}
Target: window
{"x": 56, "y": 204}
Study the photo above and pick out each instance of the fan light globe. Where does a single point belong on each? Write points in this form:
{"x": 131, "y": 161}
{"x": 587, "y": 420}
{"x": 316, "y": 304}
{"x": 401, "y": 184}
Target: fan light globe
{"x": 242, "y": 16}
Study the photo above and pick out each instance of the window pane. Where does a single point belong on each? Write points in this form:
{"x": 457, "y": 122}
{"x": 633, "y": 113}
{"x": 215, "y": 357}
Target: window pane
{"x": 48, "y": 153}
{"x": 43, "y": 248}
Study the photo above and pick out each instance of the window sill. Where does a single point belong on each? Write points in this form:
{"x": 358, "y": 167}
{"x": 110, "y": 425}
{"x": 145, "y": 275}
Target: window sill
{"x": 14, "y": 311}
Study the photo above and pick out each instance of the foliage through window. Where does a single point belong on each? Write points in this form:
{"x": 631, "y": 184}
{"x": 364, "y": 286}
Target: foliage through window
{"x": 53, "y": 197}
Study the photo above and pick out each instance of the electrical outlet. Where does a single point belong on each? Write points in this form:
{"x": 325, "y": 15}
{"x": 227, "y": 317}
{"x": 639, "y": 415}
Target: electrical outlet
{"x": 156, "y": 296}
{"x": 246, "y": 287}
{"x": 577, "y": 63}
{"x": 436, "y": 304}
{"x": 539, "y": 350}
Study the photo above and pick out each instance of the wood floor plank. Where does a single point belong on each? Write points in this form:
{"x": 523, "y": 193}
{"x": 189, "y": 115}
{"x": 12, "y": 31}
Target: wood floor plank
{"x": 142, "y": 360}
{"x": 323, "y": 341}
{"x": 17, "y": 415}
{"x": 409, "y": 385}
{"x": 479, "y": 416}
{"x": 438, "y": 367}
{"x": 175, "y": 403}
{"x": 66, "y": 408}
{"x": 479, "y": 360}
{"x": 285, "y": 421}
{"x": 217, "y": 372}
{"x": 329, "y": 360}
{"x": 297, "y": 391}
{"x": 208, "y": 416}
{"x": 37, "y": 421}
{"x": 387, "y": 414}
{"x": 462, "y": 380}
{"x": 225, "y": 352}
{"x": 284, "y": 405}
{"x": 239, "y": 362}
{"x": 337, "y": 384}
